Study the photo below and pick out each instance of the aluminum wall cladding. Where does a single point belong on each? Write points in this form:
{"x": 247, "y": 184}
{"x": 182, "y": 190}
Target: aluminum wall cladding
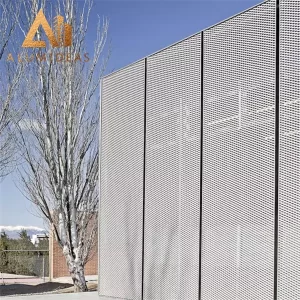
{"x": 238, "y": 200}
{"x": 172, "y": 206}
{"x": 239, "y": 157}
{"x": 289, "y": 166}
{"x": 121, "y": 205}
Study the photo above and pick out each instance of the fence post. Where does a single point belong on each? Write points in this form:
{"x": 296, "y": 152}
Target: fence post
{"x": 2, "y": 279}
{"x": 44, "y": 267}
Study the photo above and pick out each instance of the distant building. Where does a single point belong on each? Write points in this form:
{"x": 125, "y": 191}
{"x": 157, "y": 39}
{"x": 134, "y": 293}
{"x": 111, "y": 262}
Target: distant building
{"x": 36, "y": 238}
{"x": 57, "y": 262}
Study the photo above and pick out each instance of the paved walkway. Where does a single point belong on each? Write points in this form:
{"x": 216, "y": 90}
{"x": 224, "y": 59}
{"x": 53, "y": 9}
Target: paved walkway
{"x": 76, "y": 296}
{"x": 25, "y": 279}
{"x": 32, "y": 280}
{"x": 88, "y": 278}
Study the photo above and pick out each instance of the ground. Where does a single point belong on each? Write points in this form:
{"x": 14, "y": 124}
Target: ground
{"x": 11, "y": 284}
{"x": 77, "y": 296}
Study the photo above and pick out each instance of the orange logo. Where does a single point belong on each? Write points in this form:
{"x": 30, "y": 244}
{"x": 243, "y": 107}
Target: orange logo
{"x": 62, "y": 38}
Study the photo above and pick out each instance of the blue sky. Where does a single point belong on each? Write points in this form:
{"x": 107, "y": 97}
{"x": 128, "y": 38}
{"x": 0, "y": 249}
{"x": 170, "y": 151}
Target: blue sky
{"x": 137, "y": 29}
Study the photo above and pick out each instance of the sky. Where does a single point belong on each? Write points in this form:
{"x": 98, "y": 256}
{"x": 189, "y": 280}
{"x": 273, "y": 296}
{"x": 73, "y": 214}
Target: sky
{"x": 137, "y": 28}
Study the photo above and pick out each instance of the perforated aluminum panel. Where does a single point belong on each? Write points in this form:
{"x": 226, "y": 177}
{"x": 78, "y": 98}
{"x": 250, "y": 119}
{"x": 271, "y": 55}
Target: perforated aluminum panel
{"x": 238, "y": 157}
{"x": 173, "y": 172}
{"x": 289, "y": 168}
{"x": 121, "y": 207}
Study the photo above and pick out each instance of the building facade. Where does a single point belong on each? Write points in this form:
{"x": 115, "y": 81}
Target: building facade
{"x": 58, "y": 265}
{"x": 200, "y": 165}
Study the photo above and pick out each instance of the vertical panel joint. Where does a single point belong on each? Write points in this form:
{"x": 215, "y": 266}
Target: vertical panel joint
{"x": 201, "y": 158}
{"x": 276, "y": 149}
{"x": 144, "y": 176}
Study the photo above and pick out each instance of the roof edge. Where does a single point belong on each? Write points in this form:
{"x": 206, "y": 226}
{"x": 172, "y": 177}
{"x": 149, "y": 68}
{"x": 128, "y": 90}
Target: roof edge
{"x": 188, "y": 37}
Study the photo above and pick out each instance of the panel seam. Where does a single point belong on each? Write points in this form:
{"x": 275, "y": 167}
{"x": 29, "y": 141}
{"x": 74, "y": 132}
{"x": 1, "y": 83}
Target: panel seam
{"x": 201, "y": 159}
{"x": 277, "y": 116}
{"x": 144, "y": 177}
{"x": 100, "y": 185}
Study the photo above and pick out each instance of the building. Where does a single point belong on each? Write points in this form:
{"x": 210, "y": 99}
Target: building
{"x": 57, "y": 262}
{"x": 36, "y": 238}
{"x": 200, "y": 165}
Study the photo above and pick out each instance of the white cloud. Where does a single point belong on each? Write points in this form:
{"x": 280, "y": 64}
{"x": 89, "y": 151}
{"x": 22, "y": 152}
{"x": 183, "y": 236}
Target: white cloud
{"x": 19, "y": 228}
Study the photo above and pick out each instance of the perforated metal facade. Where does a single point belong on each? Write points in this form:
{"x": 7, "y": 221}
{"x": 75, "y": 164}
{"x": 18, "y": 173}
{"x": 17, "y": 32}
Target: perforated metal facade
{"x": 238, "y": 157}
{"x": 172, "y": 206}
{"x": 200, "y": 165}
{"x": 121, "y": 205}
{"x": 289, "y": 151}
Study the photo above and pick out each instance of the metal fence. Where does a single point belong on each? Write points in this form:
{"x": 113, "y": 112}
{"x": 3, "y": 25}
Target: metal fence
{"x": 200, "y": 165}
{"x": 25, "y": 262}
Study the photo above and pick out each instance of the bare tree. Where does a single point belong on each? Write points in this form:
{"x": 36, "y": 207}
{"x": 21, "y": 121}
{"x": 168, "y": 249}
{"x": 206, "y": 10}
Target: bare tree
{"x": 6, "y": 26}
{"x": 10, "y": 74}
{"x": 59, "y": 134}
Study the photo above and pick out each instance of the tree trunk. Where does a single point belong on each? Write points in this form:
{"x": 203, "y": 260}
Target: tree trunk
{"x": 79, "y": 281}
{"x": 77, "y": 273}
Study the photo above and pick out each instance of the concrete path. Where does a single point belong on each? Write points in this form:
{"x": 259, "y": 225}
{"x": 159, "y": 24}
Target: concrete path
{"x": 14, "y": 276}
{"x": 88, "y": 278}
{"x": 32, "y": 280}
{"x": 76, "y": 296}
{"x": 25, "y": 279}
